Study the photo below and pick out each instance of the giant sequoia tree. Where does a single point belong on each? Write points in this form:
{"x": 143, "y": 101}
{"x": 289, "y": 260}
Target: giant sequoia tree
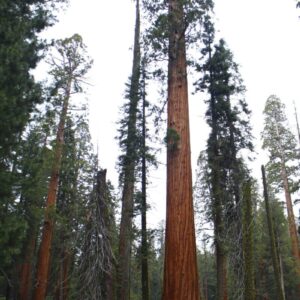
{"x": 20, "y": 51}
{"x": 68, "y": 72}
{"x": 180, "y": 272}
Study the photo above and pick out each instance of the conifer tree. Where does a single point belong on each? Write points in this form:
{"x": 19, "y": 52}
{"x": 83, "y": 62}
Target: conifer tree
{"x": 274, "y": 249}
{"x": 68, "y": 73}
{"x": 283, "y": 164}
{"x": 228, "y": 117}
{"x": 180, "y": 269}
{"x": 128, "y": 163}
{"x": 249, "y": 293}
{"x": 20, "y": 51}
{"x": 35, "y": 164}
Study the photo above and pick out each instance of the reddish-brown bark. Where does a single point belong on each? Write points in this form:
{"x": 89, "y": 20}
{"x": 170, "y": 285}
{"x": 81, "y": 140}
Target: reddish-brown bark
{"x": 26, "y": 269}
{"x": 180, "y": 270}
{"x": 48, "y": 228}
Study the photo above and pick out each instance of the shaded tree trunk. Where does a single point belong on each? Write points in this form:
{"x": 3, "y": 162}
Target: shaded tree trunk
{"x": 217, "y": 197}
{"x": 249, "y": 293}
{"x": 275, "y": 261}
{"x": 125, "y": 237}
{"x": 48, "y": 227}
{"x": 144, "y": 242}
{"x": 107, "y": 219}
{"x": 26, "y": 272}
{"x": 62, "y": 287}
{"x": 180, "y": 269}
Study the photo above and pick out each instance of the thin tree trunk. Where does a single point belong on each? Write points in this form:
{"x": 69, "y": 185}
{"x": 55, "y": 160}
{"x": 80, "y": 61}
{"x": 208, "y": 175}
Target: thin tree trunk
{"x": 62, "y": 287}
{"x": 48, "y": 228}
{"x": 125, "y": 237}
{"x": 144, "y": 242}
{"x": 180, "y": 269}
{"x": 249, "y": 293}
{"x": 280, "y": 292}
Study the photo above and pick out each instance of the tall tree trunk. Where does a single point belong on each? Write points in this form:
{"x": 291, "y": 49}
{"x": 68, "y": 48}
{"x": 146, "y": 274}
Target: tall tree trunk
{"x": 144, "y": 242}
{"x": 125, "y": 237}
{"x": 180, "y": 269}
{"x": 249, "y": 293}
{"x": 27, "y": 266}
{"x": 43, "y": 263}
{"x": 275, "y": 261}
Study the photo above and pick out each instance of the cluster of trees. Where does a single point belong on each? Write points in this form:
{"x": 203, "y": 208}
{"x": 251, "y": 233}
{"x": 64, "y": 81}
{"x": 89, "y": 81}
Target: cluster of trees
{"x": 60, "y": 233}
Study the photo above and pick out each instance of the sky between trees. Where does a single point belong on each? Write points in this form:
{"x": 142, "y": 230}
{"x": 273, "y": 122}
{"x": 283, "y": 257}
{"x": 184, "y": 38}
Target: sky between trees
{"x": 263, "y": 36}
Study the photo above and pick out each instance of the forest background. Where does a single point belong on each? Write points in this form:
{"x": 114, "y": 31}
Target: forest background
{"x": 86, "y": 220}
{"x": 261, "y": 34}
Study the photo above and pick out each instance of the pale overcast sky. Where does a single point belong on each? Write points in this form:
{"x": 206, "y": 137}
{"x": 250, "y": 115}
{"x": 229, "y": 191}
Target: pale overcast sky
{"x": 262, "y": 34}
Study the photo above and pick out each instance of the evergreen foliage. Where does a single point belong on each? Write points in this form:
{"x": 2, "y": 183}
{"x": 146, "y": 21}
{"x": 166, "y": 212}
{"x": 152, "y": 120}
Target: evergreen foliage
{"x": 281, "y": 145}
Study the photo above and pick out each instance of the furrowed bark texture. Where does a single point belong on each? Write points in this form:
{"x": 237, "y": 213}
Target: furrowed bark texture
{"x": 274, "y": 252}
{"x": 125, "y": 237}
{"x": 48, "y": 228}
{"x": 180, "y": 270}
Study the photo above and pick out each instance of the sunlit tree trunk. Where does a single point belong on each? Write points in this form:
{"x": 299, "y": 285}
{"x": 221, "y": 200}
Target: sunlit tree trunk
{"x": 180, "y": 269}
